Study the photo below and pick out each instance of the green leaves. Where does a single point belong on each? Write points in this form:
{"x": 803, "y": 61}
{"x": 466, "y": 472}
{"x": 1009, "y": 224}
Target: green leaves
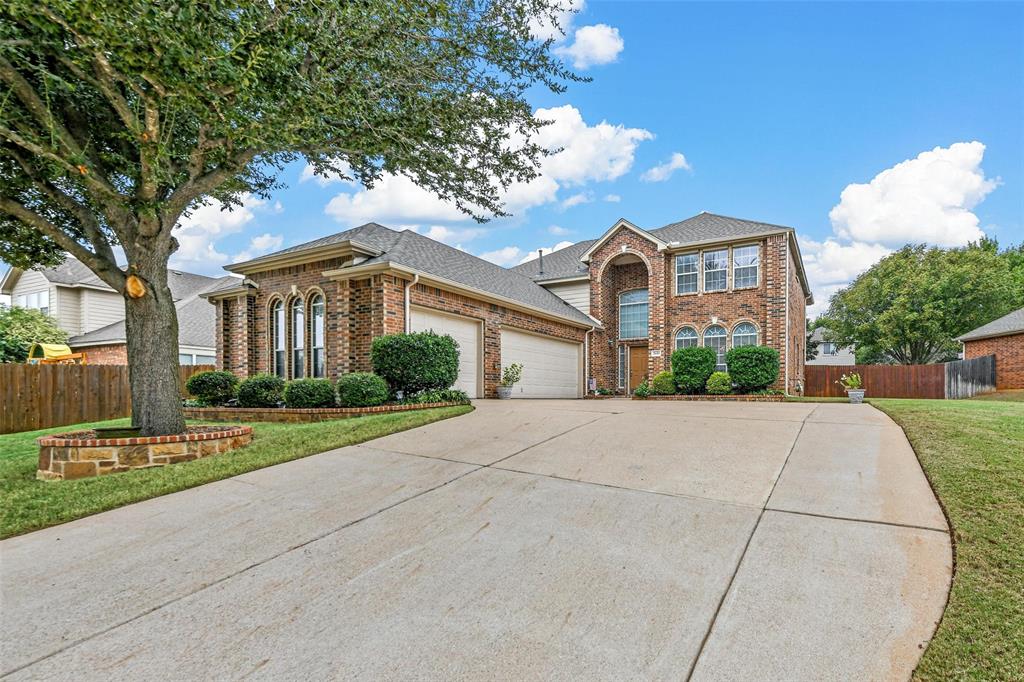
{"x": 20, "y": 328}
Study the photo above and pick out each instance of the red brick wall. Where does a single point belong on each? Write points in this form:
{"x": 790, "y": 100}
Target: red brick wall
{"x": 1009, "y": 352}
{"x": 114, "y": 354}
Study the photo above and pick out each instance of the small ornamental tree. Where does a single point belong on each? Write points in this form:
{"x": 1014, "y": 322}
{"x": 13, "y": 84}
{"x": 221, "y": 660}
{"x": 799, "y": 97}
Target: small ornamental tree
{"x": 20, "y": 328}
{"x": 753, "y": 367}
{"x": 118, "y": 119}
{"x": 692, "y": 366}
{"x": 415, "y": 362}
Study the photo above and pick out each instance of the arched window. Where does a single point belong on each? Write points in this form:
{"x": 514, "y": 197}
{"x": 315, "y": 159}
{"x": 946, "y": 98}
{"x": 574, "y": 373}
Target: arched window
{"x": 316, "y": 344}
{"x": 744, "y": 334}
{"x": 633, "y": 314}
{"x": 686, "y": 337}
{"x": 277, "y": 354}
{"x": 298, "y": 334}
{"x": 714, "y": 337}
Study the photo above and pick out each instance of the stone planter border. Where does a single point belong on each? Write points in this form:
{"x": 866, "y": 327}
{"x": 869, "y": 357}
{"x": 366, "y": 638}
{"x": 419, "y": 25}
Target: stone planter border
{"x": 71, "y": 458}
{"x": 719, "y": 398}
{"x": 300, "y": 414}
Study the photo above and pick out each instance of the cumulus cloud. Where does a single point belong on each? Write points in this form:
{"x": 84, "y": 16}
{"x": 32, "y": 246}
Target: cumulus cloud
{"x": 592, "y": 46}
{"x": 576, "y": 200}
{"x": 329, "y": 178}
{"x": 532, "y": 255}
{"x": 513, "y": 255}
{"x": 588, "y": 153}
{"x": 557, "y": 27}
{"x": 612, "y": 198}
{"x": 394, "y": 198}
{"x": 925, "y": 199}
{"x": 453, "y": 236}
{"x": 198, "y": 233}
{"x": 557, "y": 231}
{"x": 264, "y": 243}
{"x": 831, "y": 265}
{"x": 664, "y": 171}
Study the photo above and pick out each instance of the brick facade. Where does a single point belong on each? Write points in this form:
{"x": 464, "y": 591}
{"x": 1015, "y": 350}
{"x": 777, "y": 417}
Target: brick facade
{"x": 113, "y": 354}
{"x": 1009, "y": 352}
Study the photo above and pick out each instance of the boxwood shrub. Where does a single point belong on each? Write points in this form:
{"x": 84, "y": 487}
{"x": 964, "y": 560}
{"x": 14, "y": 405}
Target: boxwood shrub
{"x": 692, "y": 366}
{"x": 441, "y": 395}
{"x": 753, "y": 367}
{"x": 309, "y": 393}
{"x": 719, "y": 383}
{"x": 420, "y": 361}
{"x": 213, "y": 387}
{"x": 261, "y": 390}
{"x": 361, "y": 389}
{"x": 663, "y": 384}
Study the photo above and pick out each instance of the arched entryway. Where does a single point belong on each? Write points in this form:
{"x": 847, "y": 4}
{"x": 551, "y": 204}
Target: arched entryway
{"x": 625, "y": 313}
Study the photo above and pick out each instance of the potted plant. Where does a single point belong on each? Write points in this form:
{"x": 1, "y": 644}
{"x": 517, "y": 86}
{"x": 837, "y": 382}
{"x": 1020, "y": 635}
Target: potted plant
{"x": 509, "y": 378}
{"x": 853, "y": 386}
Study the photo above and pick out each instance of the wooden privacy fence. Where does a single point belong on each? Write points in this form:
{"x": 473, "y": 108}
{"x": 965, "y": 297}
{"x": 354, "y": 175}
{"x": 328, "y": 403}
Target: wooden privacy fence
{"x": 41, "y": 396}
{"x": 959, "y": 379}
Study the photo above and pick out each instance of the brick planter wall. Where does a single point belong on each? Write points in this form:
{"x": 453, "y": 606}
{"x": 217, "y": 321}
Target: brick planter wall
{"x": 295, "y": 415}
{"x": 70, "y": 458}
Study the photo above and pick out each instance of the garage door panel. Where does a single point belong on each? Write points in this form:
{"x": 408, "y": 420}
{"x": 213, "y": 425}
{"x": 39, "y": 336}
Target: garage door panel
{"x": 551, "y": 368}
{"x": 466, "y": 333}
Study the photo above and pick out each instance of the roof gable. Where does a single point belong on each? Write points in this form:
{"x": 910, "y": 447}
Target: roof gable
{"x": 621, "y": 224}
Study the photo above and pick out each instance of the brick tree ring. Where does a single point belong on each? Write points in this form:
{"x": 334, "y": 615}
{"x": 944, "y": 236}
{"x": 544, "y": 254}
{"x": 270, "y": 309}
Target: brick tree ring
{"x": 80, "y": 454}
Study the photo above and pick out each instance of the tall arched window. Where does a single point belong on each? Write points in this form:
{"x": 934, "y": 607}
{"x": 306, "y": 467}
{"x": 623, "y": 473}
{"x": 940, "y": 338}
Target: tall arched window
{"x": 714, "y": 337}
{"x": 298, "y": 334}
{"x": 316, "y": 343}
{"x": 686, "y": 337}
{"x": 633, "y": 314}
{"x": 744, "y": 334}
{"x": 277, "y": 352}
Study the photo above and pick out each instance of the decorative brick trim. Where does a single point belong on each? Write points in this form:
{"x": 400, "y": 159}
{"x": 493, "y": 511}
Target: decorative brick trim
{"x": 300, "y": 414}
{"x": 719, "y": 398}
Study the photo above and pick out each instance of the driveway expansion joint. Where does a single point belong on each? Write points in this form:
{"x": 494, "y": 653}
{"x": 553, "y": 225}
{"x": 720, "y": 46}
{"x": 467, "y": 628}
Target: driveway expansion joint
{"x": 850, "y": 519}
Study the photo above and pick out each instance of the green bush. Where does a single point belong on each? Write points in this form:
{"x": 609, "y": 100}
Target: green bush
{"x": 442, "y": 395}
{"x": 692, "y": 366}
{"x": 261, "y": 390}
{"x": 643, "y": 390}
{"x": 415, "y": 362}
{"x": 753, "y": 367}
{"x": 309, "y": 393}
{"x": 663, "y": 384}
{"x": 719, "y": 383}
{"x": 213, "y": 387}
{"x": 361, "y": 389}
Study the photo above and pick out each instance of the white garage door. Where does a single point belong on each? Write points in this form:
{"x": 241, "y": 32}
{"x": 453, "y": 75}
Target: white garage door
{"x": 551, "y": 368}
{"x": 466, "y": 332}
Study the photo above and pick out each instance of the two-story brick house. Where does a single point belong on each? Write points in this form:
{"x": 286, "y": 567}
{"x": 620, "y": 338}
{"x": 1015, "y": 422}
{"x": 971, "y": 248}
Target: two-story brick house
{"x": 610, "y": 309}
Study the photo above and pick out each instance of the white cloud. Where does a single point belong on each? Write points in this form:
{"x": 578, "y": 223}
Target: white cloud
{"x": 264, "y": 243}
{"x": 504, "y": 256}
{"x": 612, "y": 198}
{"x": 589, "y": 153}
{"x": 593, "y": 45}
{"x": 831, "y": 265}
{"x": 198, "y": 233}
{"x": 394, "y": 198}
{"x": 664, "y": 171}
{"x": 532, "y": 255}
{"x": 544, "y": 28}
{"x": 576, "y": 200}
{"x": 925, "y": 199}
{"x": 330, "y": 178}
{"x": 557, "y": 231}
{"x": 453, "y": 236}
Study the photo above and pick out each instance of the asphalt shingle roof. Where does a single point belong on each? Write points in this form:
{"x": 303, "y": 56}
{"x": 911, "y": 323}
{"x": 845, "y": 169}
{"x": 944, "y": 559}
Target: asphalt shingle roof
{"x": 705, "y": 227}
{"x": 558, "y": 264}
{"x": 1012, "y": 323}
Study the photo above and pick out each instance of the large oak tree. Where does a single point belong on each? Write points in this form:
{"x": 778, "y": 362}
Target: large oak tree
{"x": 117, "y": 118}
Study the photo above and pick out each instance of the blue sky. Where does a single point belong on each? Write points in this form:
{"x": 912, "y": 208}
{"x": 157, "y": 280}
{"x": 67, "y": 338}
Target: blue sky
{"x": 776, "y": 109}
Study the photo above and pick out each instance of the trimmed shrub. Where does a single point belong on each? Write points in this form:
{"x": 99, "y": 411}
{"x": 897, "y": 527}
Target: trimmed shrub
{"x": 212, "y": 388}
{"x": 663, "y": 384}
{"x": 361, "y": 389}
{"x": 309, "y": 393}
{"x": 753, "y": 367}
{"x": 442, "y": 395}
{"x": 415, "y": 362}
{"x": 719, "y": 383}
{"x": 692, "y": 367}
{"x": 643, "y": 390}
{"x": 261, "y": 390}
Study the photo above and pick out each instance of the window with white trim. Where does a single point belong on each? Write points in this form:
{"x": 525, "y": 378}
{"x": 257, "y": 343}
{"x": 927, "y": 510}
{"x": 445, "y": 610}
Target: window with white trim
{"x": 716, "y": 270}
{"x": 277, "y": 336}
{"x": 744, "y": 334}
{"x": 298, "y": 340}
{"x": 715, "y": 337}
{"x": 829, "y": 348}
{"x": 686, "y": 337}
{"x": 316, "y": 328}
{"x": 686, "y": 273}
{"x": 633, "y": 314}
{"x": 744, "y": 266}
{"x": 39, "y": 300}
{"x": 622, "y": 366}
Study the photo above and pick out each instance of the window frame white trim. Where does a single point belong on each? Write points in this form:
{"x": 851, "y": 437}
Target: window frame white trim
{"x": 704, "y": 271}
{"x": 725, "y": 345}
{"x": 675, "y": 336}
{"x": 311, "y": 296}
{"x": 676, "y": 273}
{"x": 296, "y": 303}
{"x": 618, "y": 314}
{"x": 272, "y": 327}
{"x": 732, "y": 267}
{"x": 737, "y": 325}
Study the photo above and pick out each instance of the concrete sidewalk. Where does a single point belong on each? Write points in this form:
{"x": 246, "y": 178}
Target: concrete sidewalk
{"x": 553, "y": 539}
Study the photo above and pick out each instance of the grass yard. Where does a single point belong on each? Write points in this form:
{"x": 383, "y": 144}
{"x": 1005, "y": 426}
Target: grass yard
{"x": 27, "y": 504}
{"x": 973, "y": 453}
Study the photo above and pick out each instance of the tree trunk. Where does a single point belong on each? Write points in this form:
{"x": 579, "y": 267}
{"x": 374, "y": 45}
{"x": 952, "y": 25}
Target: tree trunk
{"x": 151, "y": 326}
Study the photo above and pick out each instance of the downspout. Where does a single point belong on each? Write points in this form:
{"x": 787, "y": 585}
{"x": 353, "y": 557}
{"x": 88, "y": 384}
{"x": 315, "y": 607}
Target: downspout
{"x": 408, "y": 310}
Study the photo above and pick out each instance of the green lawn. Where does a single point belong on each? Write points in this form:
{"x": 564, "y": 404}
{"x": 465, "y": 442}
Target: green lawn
{"x": 973, "y": 453}
{"x": 1014, "y": 396}
{"x": 27, "y": 504}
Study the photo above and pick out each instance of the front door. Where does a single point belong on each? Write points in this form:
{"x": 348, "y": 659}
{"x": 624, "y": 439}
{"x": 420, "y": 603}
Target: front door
{"x": 637, "y": 366}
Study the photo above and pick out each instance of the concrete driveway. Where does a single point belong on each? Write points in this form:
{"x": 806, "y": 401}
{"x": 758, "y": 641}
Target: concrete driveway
{"x": 529, "y": 539}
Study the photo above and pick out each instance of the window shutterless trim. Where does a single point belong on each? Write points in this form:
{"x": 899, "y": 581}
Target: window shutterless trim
{"x": 696, "y": 273}
{"x": 756, "y": 266}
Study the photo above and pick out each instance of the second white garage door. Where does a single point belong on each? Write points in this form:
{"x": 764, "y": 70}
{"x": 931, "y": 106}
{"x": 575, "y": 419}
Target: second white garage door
{"x": 551, "y": 368}
{"x": 466, "y": 332}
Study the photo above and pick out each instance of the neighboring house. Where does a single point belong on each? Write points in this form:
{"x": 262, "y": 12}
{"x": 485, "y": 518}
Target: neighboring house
{"x": 92, "y": 313}
{"x": 1003, "y": 338}
{"x": 829, "y": 352}
{"x": 611, "y": 309}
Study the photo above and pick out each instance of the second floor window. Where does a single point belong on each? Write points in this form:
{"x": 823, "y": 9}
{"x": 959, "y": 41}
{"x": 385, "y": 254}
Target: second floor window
{"x": 716, "y": 270}
{"x": 39, "y": 300}
{"x": 298, "y": 332}
{"x": 828, "y": 348}
{"x": 633, "y": 314}
{"x": 686, "y": 273}
{"x": 316, "y": 358}
{"x": 744, "y": 266}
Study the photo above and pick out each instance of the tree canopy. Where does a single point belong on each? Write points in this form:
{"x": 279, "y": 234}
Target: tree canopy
{"x": 20, "y": 328}
{"x": 118, "y": 118}
{"x": 910, "y": 306}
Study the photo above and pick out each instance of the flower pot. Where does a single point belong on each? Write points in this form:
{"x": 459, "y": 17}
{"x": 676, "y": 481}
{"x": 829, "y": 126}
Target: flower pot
{"x": 856, "y": 395}
{"x": 504, "y": 392}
